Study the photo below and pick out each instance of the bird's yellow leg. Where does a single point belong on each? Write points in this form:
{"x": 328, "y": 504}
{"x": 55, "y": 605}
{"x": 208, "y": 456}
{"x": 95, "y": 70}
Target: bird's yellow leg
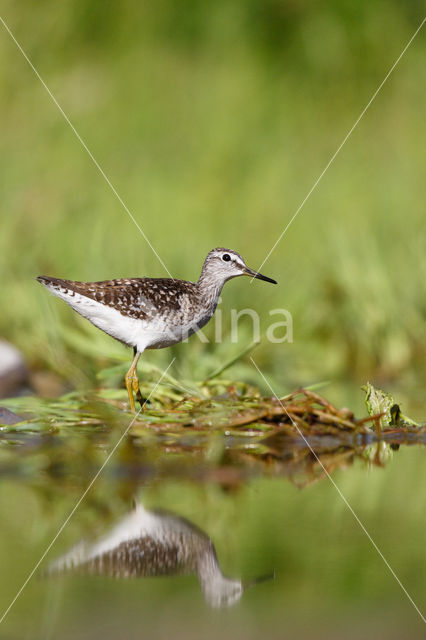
{"x": 132, "y": 382}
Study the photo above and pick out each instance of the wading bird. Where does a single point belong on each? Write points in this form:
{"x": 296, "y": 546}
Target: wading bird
{"x": 152, "y": 313}
{"x": 154, "y": 543}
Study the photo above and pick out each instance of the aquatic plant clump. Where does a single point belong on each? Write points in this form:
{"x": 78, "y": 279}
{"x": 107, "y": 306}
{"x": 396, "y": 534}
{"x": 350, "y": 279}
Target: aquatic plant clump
{"x": 222, "y": 431}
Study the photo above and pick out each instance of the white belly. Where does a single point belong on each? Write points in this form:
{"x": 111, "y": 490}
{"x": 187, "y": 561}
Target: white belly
{"x": 134, "y": 332}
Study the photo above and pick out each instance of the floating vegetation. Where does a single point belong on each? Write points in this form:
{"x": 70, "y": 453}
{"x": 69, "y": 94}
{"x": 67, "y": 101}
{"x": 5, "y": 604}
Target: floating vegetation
{"x": 220, "y": 431}
{"x": 380, "y": 402}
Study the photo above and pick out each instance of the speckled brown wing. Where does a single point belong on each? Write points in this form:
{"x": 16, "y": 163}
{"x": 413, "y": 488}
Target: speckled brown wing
{"x": 142, "y": 298}
{"x": 140, "y": 557}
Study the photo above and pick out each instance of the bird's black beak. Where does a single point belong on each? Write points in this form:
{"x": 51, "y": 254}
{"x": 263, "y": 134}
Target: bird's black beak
{"x": 258, "y": 276}
{"x": 252, "y": 583}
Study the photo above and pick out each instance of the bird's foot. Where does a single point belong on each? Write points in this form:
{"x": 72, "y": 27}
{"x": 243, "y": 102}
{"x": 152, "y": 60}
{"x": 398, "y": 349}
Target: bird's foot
{"x": 129, "y": 386}
{"x": 136, "y": 389}
{"x": 142, "y": 401}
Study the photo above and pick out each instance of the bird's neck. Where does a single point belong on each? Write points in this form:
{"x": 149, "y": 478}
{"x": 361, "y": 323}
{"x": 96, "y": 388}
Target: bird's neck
{"x": 208, "y": 569}
{"x": 218, "y": 590}
{"x": 209, "y": 287}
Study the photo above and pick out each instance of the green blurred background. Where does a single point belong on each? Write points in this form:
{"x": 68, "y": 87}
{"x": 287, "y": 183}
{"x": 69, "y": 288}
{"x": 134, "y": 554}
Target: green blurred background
{"x": 213, "y": 121}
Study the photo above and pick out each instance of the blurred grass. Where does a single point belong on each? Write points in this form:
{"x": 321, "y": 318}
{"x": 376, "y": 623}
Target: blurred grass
{"x": 213, "y": 122}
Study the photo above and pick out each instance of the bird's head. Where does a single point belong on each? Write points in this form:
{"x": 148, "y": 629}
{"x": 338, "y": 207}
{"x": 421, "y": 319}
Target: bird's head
{"x": 224, "y": 264}
{"x": 222, "y": 592}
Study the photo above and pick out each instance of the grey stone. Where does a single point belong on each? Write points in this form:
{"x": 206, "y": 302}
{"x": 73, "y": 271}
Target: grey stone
{"x": 13, "y": 371}
{"x": 8, "y": 417}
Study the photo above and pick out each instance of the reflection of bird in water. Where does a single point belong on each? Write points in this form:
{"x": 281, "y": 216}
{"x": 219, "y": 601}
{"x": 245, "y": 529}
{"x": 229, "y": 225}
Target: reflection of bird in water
{"x": 152, "y": 313}
{"x": 153, "y": 543}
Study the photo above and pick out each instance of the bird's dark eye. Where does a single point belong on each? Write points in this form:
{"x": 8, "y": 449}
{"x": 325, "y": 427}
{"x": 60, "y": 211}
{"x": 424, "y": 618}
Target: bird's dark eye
{"x": 226, "y": 257}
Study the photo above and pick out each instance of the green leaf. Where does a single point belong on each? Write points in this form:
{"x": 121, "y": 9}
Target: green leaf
{"x": 379, "y": 401}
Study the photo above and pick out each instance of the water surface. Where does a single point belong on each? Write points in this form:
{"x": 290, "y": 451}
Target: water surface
{"x": 208, "y": 535}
